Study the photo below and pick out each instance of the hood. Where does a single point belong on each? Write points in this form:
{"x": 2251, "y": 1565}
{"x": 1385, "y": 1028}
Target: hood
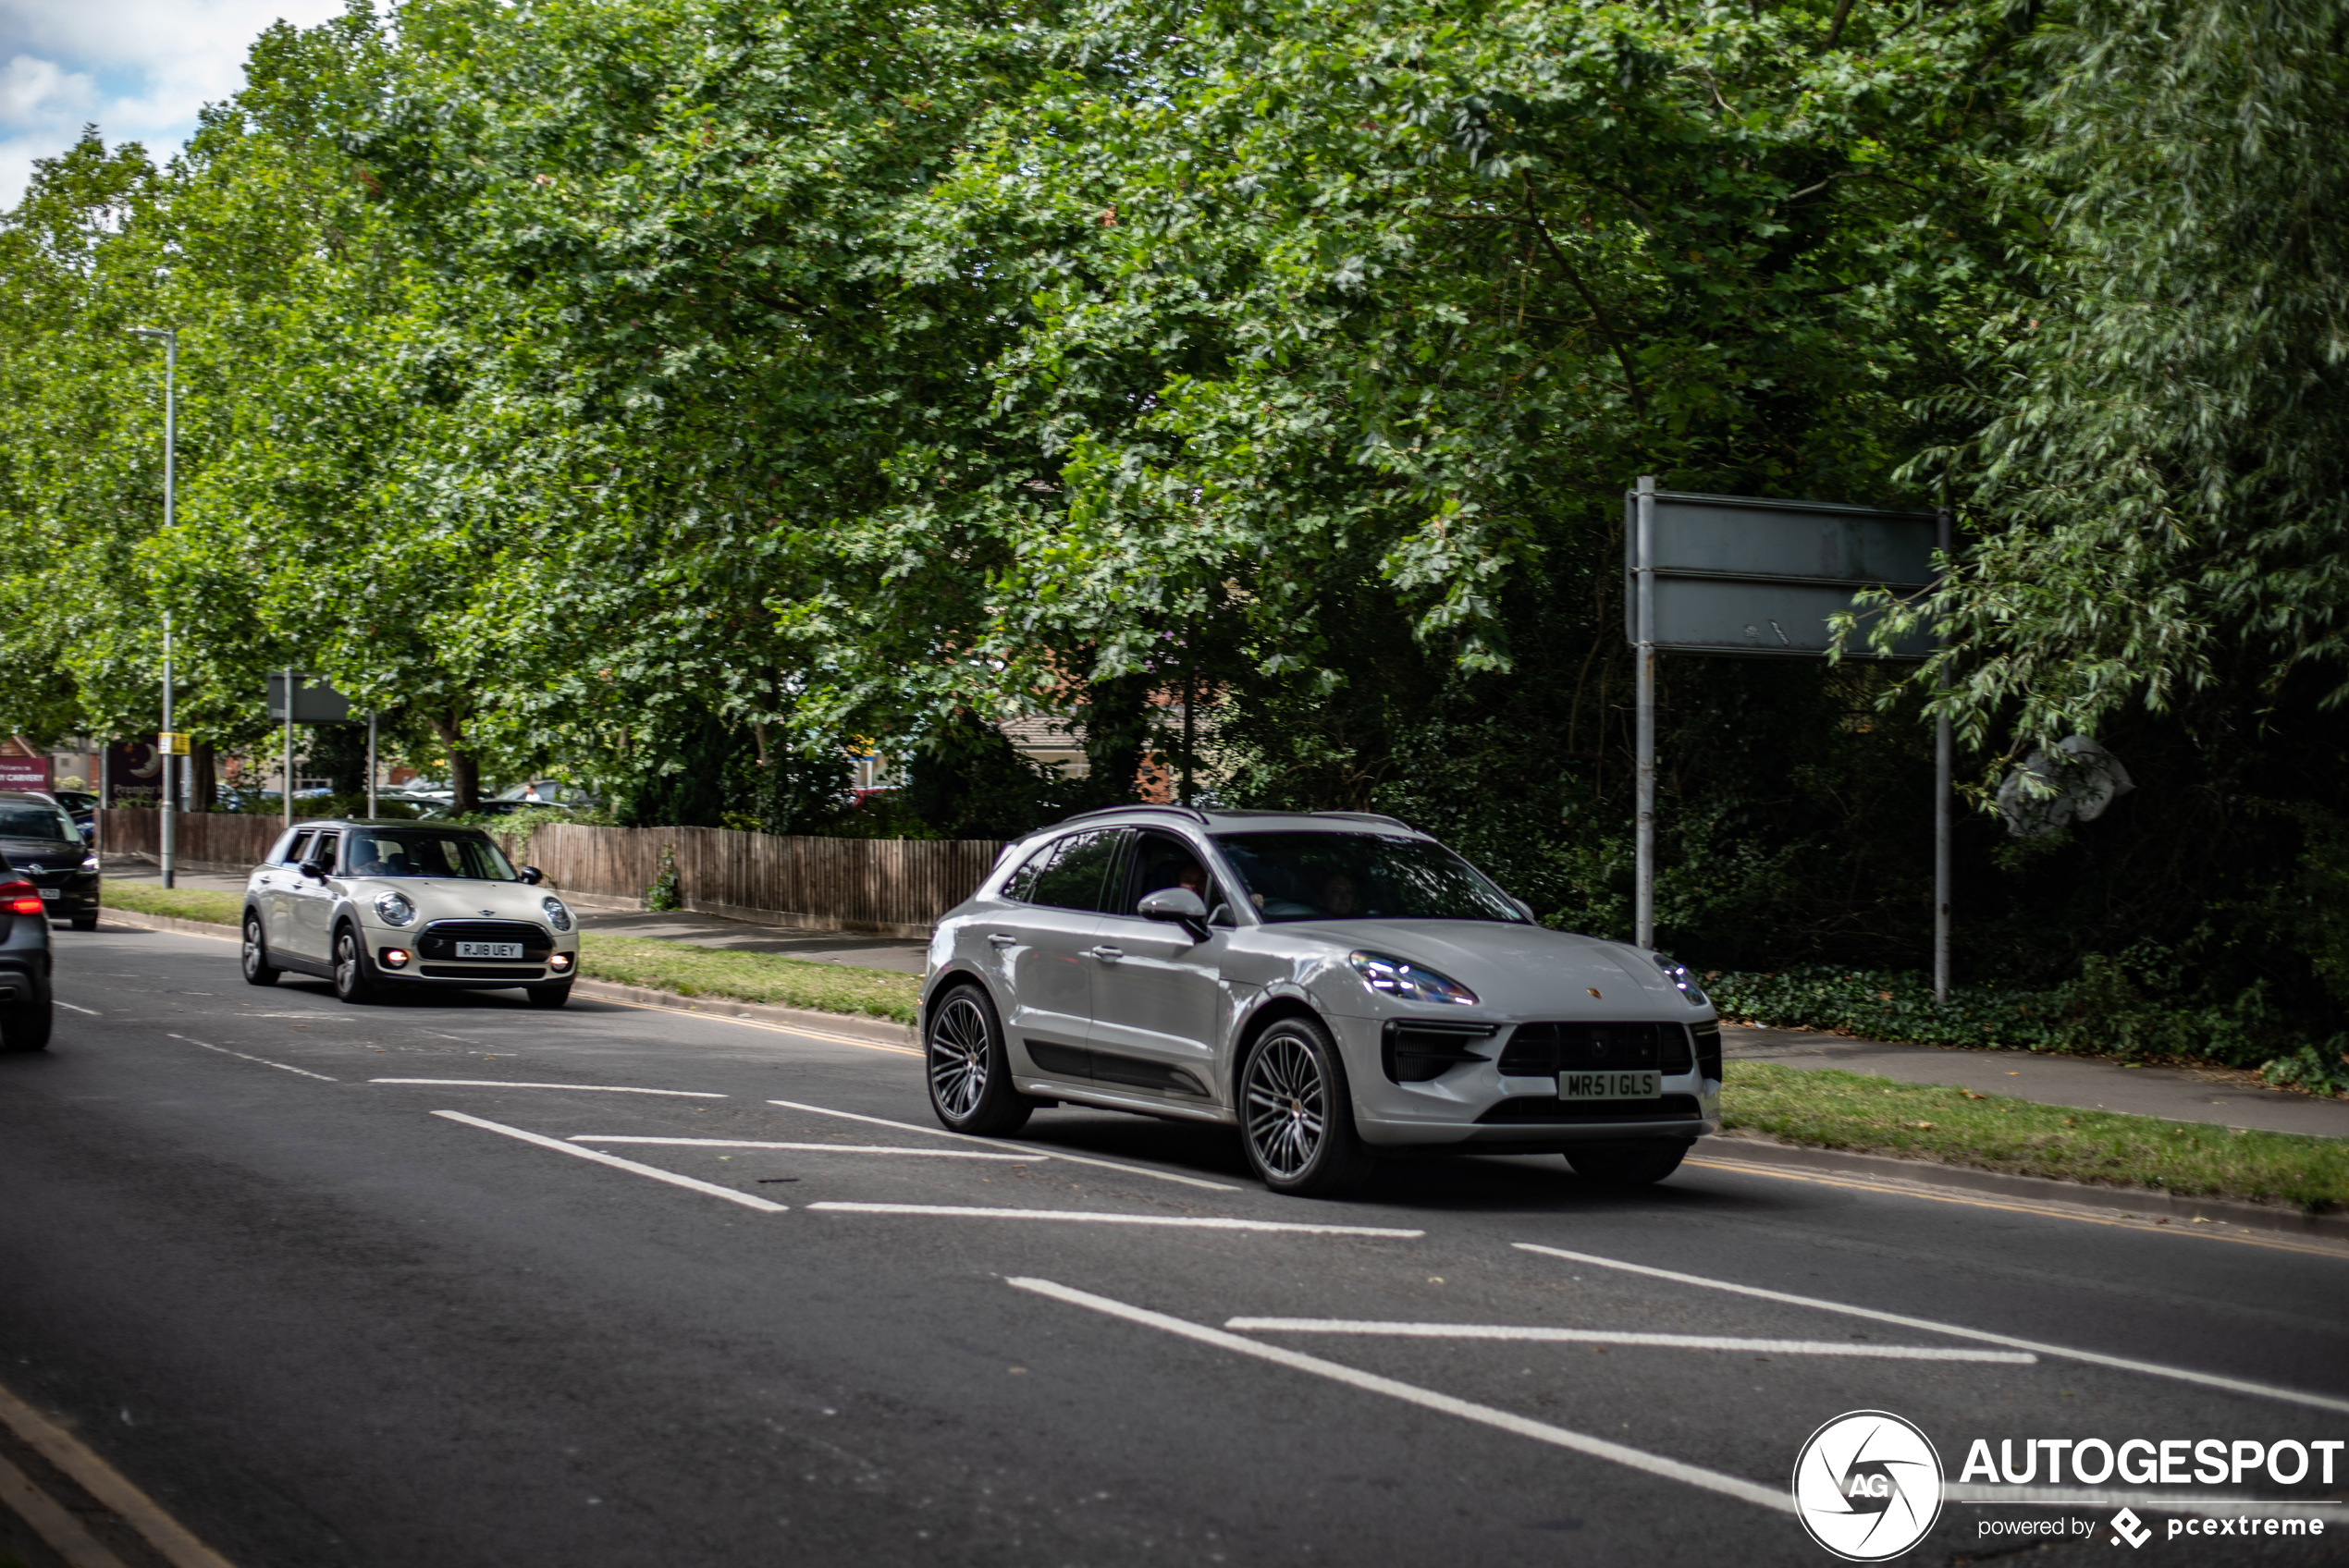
{"x": 438, "y": 897}
{"x": 1519, "y": 972}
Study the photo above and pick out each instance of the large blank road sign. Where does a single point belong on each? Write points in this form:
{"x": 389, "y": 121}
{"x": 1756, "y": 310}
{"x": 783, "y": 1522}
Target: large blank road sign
{"x": 1738, "y": 574}
{"x": 314, "y": 702}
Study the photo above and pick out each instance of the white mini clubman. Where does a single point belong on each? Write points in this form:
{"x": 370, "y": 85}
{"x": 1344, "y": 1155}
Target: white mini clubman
{"x": 377, "y": 906}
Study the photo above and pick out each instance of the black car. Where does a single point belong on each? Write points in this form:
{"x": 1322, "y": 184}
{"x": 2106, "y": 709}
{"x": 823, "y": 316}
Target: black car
{"x": 24, "y": 963}
{"x": 82, "y": 807}
{"x": 42, "y": 843}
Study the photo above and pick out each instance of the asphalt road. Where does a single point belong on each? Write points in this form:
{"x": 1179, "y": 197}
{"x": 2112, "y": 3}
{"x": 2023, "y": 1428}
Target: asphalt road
{"x": 328, "y": 1317}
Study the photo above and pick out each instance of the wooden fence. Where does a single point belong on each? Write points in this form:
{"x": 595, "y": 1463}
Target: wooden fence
{"x": 899, "y": 887}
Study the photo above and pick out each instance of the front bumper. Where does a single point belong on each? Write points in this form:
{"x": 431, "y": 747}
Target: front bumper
{"x": 1476, "y": 1106}
{"x": 549, "y": 969}
{"x": 66, "y": 894}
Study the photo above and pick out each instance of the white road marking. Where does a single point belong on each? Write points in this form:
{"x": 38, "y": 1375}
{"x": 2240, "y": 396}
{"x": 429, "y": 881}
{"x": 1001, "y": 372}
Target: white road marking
{"x": 998, "y": 1143}
{"x": 1185, "y": 1221}
{"x": 588, "y": 1088}
{"x": 263, "y": 1060}
{"x": 1603, "y": 1337}
{"x": 757, "y": 1023}
{"x": 2207, "y": 1379}
{"x": 818, "y": 1149}
{"x": 712, "y": 1188}
{"x": 1771, "y": 1497}
{"x": 70, "y": 1007}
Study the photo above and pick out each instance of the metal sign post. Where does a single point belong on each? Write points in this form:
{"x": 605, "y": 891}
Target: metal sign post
{"x": 170, "y": 806}
{"x": 1757, "y": 577}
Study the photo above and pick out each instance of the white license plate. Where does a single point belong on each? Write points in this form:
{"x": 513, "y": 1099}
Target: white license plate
{"x": 48, "y": 892}
{"x": 490, "y": 949}
{"x": 1608, "y": 1085}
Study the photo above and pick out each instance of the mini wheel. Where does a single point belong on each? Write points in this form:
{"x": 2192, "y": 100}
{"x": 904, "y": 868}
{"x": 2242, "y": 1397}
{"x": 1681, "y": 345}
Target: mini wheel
{"x": 258, "y": 971}
{"x": 352, "y": 982}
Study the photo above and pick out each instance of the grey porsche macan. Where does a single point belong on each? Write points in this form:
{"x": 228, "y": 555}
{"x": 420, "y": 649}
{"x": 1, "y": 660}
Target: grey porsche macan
{"x": 1338, "y": 985}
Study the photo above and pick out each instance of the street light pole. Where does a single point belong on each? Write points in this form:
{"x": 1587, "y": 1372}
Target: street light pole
{"x": 170, "y": 449}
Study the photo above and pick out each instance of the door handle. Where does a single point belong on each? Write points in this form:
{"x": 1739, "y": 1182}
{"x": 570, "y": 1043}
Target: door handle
{"x": 1004, "y": 940}
{"x": 1108, "y": 955}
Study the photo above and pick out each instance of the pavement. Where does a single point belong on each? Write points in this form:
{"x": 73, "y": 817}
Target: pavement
{"x": 461, "y": 1282}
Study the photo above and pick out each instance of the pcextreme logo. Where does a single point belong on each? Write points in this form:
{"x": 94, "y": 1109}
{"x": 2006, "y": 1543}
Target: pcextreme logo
{"x": 1868, "y": 1486}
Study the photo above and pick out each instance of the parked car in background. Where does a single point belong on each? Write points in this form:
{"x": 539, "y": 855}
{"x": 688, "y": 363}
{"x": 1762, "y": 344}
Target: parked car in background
{"x": 45, "y": 846}
{"x": 25, "y": 1006}
{"x": 377, "y": 905}
{"x": 82, "y": 807}
{"x": 1335, "y": 985}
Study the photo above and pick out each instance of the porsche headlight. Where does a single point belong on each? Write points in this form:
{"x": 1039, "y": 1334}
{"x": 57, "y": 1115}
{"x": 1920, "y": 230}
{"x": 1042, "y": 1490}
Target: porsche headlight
{"x": 395, "y": 909}
{"x": 1680, "y": 977}
{"x": 557, "y": 915}
{"x": 1401, "y": 978}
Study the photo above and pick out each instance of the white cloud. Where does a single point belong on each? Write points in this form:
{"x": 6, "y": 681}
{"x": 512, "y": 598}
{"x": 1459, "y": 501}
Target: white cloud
{"x": 140, "y": 69}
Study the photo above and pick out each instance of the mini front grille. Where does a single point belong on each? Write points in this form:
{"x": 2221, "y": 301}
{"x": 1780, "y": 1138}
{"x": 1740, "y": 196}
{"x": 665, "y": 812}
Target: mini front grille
{"x": 1524, "y": 1109}
{"x": 439, "y": 938}
{"x": 1543, "y": 1050}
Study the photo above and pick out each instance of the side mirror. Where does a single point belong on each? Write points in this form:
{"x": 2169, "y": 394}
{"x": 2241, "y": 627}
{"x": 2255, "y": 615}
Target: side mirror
{"x": 1525, "y": 909}
{"x": 533, "y": 876}
{"x": 312, "y": 870}
{"x": 1177, "y": 906}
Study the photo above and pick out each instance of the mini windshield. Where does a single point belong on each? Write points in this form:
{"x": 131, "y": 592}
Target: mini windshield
{"x": 1361, "y": 876}
{"x": 37, "y": 820}
{"x": 408, "y": 851}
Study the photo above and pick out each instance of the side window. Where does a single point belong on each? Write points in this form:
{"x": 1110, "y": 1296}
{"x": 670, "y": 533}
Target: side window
{"x": 1021, "y": 884}
{"x": 1160, "y": 861}
{"x": 1079, "y": 868}
{"x": 298, "y": 850}
{"x": 323, "y": 851}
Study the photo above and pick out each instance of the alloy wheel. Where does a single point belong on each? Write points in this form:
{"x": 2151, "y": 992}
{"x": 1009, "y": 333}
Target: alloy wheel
{"x": 1287, "y": 1103}
{"x": 346, "y": 964}
{"x": 253, "y": 949}
{"x": 958, "y": 1057}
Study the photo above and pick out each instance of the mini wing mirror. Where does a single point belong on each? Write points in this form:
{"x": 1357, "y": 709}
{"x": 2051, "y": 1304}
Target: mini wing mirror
{"x": 1178, "y": 906}
{"x": 533, "y": 876}
{"x": 313, "y": 870}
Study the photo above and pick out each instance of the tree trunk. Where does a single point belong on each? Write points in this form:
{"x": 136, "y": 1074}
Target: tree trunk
{"x": 464, "y": 769}
{"x": 203, "y": 776}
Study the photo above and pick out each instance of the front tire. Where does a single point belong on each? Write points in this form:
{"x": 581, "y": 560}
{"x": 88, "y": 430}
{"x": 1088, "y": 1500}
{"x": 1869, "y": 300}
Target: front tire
{"x": 258, "y": 971}
{"x": 26, "y": 1027}
{"x": 969, "y": 1070}
{"x": 548, "y": 996}
{"x": 1297, "y": 1114}
{"x": 352, "y": 983}
{"x": 84, "y": 922}
{"x": 1626, "y": 1165}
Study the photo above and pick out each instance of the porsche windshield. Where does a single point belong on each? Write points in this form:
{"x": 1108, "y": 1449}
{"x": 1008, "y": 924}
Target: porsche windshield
{"x": 1361, "y": 876}
{"x": 408, "y": 851}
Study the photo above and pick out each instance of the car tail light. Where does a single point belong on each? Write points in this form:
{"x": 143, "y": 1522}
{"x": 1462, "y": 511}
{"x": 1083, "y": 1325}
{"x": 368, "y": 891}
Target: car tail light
{"x": 22, "y": 897}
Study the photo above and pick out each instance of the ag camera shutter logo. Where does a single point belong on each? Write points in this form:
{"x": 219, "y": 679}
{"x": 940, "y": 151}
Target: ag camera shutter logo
{"x": 1868, "y": 1486}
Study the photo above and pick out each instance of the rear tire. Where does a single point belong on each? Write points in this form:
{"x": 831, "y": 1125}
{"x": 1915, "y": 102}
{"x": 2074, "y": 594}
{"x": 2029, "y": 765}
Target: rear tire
{"x": 352, "y": 983}
{"x": 968, "y": 1069}
{"x": 1297, "y": 1113}
{"x": 26, "y": 1027}
{"x": 1626, "y": 1165}
{"x": 548, "y": 996}
{"x": 256, "y": 955}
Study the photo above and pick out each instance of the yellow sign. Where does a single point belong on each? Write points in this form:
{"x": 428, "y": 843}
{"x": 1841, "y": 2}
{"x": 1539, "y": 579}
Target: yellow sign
{"x": 172, "y": 744}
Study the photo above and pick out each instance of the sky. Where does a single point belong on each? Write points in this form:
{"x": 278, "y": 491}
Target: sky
{"x": 139, "y": 68}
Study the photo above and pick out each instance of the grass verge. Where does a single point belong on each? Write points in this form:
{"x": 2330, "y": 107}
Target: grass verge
{"x": 179, "y": 903}
{"x": 681, "y": 967}
{"x": 691, "y": 971}
{"x": 1827, "y": 1108}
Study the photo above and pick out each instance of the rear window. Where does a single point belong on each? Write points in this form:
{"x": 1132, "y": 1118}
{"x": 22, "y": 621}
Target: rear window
{"x": 1067, "y": 872}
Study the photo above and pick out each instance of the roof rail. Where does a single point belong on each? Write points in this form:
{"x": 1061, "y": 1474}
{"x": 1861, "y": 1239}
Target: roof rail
{"x": 1368, "y": 816}
{"x": 1190, "y": 813}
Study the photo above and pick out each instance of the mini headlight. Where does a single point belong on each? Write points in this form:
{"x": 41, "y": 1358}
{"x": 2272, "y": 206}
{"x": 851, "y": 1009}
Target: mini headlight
{"x": 395, "y": 908}
{"x": 556, "y": 916}
{"x": 1679, "y": 977}
{"x": 1411, "y": 981}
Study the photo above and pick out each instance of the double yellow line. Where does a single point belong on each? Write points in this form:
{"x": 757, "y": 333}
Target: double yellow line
{"x": 64, "y": 1530}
